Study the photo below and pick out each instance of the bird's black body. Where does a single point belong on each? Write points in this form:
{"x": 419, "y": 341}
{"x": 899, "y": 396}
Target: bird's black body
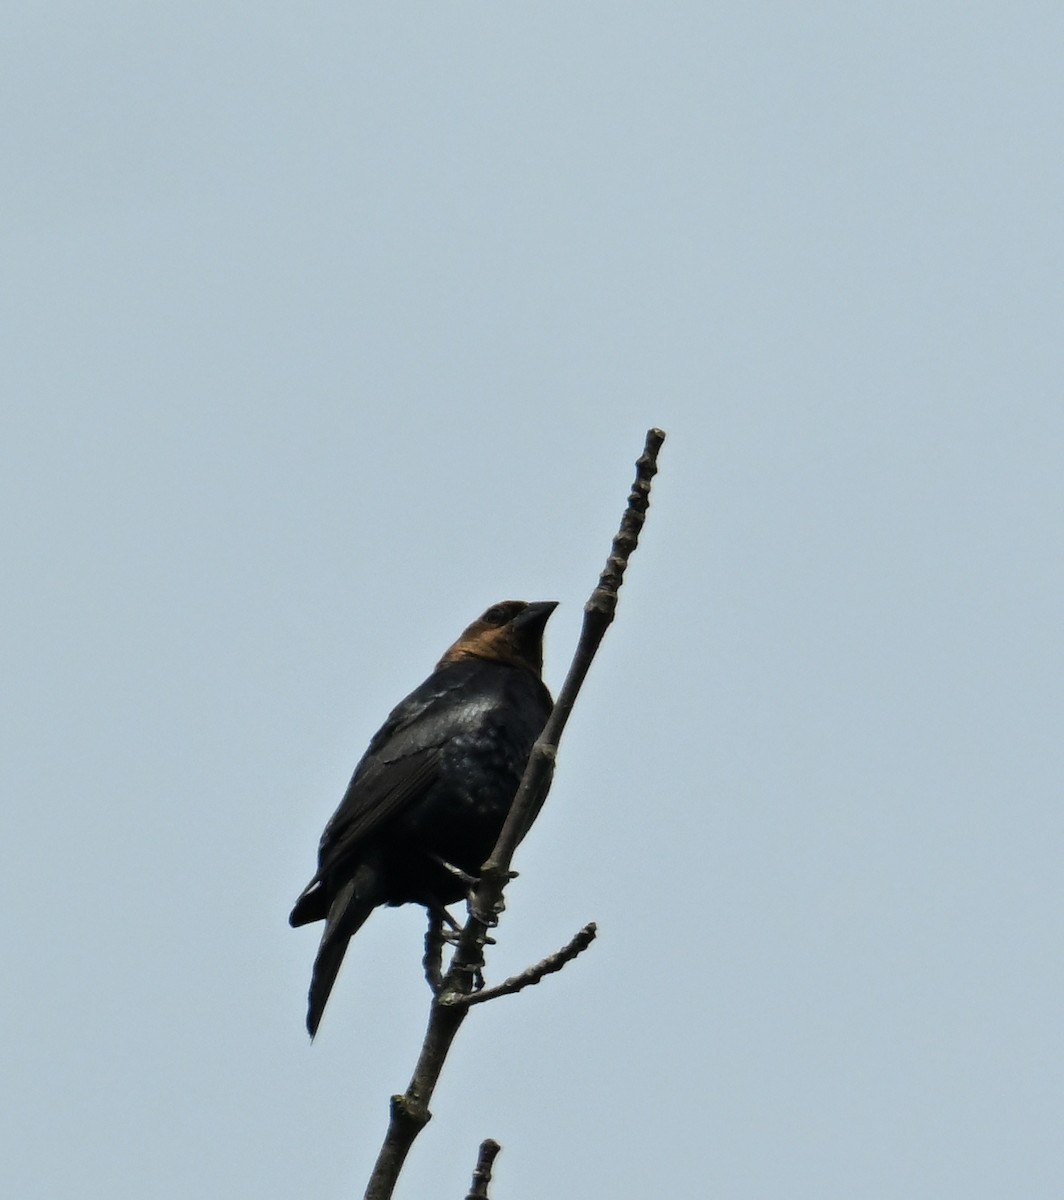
{"x": 436, "y": 782}
{"x": 439, "y": 778}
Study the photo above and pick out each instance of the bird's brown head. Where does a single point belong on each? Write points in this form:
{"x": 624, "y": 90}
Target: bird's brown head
{"x": 510, "y": 632}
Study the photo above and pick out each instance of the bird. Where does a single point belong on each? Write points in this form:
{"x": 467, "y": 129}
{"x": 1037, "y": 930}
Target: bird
{"x": 429, "y": 797}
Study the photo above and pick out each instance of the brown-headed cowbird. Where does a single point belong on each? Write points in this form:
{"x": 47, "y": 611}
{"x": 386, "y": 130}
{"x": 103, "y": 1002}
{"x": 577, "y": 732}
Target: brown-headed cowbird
{"x": 434, "y": 787}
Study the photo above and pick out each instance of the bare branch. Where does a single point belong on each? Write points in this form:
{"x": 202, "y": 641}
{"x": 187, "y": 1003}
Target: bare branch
{"x": 410, "y": 1111}
{"x": 478, "y": 1189}
{"x": 535, "y": 783}
{"x": 532, "y": 975}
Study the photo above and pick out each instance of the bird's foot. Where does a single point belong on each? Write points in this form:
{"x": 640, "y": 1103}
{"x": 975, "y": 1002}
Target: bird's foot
{"x": 490, "y": 917}
{"x": 453, "y": 936}
{"x": 449, "y": 929}
{"x": 449, "y": 926}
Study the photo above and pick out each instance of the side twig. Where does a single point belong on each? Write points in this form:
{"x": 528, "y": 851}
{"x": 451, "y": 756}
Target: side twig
{"x": 532, "y": 975}
{"x": 451, "y": 1001}
{"x": 478, "y": 1189}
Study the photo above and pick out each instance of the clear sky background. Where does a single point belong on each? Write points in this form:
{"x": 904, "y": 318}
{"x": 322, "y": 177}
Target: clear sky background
{"x": 324, "y": 327}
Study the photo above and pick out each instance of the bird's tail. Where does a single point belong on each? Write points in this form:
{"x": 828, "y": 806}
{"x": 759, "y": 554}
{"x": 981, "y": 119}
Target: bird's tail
{"x": 347, "y": 913}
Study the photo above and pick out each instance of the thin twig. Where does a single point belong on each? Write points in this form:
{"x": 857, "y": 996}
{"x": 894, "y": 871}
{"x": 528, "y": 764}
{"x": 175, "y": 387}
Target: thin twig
{"x": 478, "y": 1189}
{"x": 532, "y": 975}
{"x": 410, "y": 1111}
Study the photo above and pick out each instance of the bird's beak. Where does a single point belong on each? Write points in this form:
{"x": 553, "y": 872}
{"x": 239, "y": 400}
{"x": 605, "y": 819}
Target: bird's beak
{"x": 535, "y": 616}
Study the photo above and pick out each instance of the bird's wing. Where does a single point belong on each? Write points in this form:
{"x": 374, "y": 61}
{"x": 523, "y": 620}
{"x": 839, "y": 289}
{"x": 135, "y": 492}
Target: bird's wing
{"x": 403, "y": 759}
{"x": 377, "y": 791}
{"x": 380, "y": 789}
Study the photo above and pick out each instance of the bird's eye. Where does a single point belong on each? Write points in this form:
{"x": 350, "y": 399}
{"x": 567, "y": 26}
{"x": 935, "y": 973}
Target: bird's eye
{"x": 498, "y": 614}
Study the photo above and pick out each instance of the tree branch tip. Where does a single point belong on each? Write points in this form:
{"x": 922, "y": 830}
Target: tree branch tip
{"x": 489, "y": 1148}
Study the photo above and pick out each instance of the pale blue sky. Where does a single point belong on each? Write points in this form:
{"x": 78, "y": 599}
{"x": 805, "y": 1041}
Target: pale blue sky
{"x": 324, "y": 327}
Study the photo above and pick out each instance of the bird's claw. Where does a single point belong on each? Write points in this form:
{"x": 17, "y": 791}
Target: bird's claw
{"x": 470, "y": 881}
{"x": 487, "y": 919}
